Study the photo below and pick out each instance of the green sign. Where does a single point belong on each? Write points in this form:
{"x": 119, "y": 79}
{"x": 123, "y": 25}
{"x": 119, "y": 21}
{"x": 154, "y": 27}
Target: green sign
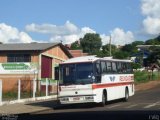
{"x": 18, "y": 68}
{"x": 15, "y": 66}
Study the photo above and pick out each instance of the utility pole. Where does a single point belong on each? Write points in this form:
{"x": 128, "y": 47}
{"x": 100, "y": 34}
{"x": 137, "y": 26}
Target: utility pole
{"x": 110, "y": 50}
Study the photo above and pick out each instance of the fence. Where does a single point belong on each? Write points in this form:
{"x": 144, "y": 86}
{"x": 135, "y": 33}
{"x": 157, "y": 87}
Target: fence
{"x": 22, "y": 89}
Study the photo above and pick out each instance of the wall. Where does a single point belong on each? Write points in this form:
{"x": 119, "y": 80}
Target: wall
{"x": 56, "y": 52}
{"x": 10, "y": 80}
{"x": 57, "y": 55}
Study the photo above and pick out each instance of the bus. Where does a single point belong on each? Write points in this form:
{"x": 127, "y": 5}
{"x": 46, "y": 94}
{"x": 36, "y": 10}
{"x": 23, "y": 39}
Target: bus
{"x": 92, "y": 79}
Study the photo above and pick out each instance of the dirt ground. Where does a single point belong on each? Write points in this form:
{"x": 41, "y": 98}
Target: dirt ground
{"x": 148, "y": 85}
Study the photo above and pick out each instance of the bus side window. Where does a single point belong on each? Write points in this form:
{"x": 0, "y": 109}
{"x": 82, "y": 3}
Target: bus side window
{"x": 114, "y": 67}
{"x": 98, "y": 69}
{"x": 109, "y": 67}
{"x": 124, "y": 67}
{"x": 103, "y": 67}
{"x": 119, "y": 67}
{"x": 98, "y": 72}
{"x": 129, "y": 68}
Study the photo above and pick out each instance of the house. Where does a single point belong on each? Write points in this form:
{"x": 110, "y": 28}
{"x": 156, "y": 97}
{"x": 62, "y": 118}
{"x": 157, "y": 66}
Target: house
{"x": 28, "y": 61}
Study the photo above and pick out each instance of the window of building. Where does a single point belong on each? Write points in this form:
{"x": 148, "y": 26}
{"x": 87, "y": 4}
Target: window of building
{"x": 18, "y": 58}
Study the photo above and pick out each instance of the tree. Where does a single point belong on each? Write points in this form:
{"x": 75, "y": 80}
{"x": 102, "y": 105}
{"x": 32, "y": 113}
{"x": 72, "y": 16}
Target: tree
{"x": 135, "y": 43}
{"x": 128, "y": 48}
{"x": 121, "y": 55}
{"x": 154, "y": 56}
{"x": 154, "y": 41}
{"x": 106, "y": 50}
{"x": 75, "y": 45}
{"x": 91, "y": 43}
{"x": 132, "y": 48}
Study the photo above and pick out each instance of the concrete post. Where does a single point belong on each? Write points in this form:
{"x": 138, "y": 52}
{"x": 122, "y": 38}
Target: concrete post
{"x": 46, "y": 86}
{"x": 34, "y": 88}
{"x": 19, "y": 89}
{"x": 0, "y": 91}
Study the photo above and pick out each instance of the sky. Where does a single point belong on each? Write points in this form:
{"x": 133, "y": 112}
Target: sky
{"x": 126, "y": 21}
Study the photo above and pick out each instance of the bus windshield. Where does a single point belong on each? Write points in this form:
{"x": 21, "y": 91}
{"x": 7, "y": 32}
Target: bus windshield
{"x": 79, "y": 73}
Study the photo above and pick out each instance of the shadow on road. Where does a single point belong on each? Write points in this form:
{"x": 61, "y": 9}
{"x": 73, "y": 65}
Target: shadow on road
{"x": 94, "y": 115}
{"x": 54, "y": 104}
{"x": 47, "y": 103}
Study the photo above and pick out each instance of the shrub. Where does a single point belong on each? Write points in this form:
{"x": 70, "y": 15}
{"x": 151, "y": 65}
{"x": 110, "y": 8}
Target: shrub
{"x": 144, "y": 76}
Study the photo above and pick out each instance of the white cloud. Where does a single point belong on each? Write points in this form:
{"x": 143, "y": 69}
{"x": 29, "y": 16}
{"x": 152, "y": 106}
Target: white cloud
{"x": 68, "y": 33}
{"x": 9, "y": 34}
{"x": 85, "y": 30}
{"x": 151, "y": 23}
{"x": 105, "y": 39}
{"x": 118, "y": 37}
{"x": 151, "y": 8}
{"x": 67, "y": 39}
{"x": 66, "y": 29}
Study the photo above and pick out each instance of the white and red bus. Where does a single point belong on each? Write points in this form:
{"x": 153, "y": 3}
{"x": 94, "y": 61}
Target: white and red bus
{"x": 92, "y": 79}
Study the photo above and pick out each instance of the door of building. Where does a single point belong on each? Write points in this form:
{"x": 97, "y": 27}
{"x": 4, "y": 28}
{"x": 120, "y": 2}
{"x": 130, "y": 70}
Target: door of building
{"x": 46, "y": 69}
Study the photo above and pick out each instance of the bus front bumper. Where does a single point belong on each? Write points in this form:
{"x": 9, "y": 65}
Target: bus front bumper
{"x": 77, "y": 99}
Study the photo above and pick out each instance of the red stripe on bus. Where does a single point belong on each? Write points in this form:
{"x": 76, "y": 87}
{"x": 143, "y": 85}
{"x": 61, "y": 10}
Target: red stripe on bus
{"x": 95, "y": 86}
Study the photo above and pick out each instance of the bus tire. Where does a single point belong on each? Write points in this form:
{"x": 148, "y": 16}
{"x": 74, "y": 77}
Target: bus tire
{"x": 104, "y": 99}
{"x": 126, "y": 95}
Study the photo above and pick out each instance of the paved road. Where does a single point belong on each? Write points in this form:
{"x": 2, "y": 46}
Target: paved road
{"x": 143, "y": 105}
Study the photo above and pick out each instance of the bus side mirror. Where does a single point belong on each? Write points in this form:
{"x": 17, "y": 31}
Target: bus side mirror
{"x": 56, "y": 73}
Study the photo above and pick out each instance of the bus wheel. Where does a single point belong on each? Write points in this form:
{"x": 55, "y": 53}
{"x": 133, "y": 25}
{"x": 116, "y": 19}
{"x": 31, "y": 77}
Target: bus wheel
{"x": 126, "y": 95}
{"x": 104, "y": 99}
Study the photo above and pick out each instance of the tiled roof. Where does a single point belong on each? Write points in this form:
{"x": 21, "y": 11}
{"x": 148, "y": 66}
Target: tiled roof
{"x": 26, "y": 46}
{"x": 32, "y": 47}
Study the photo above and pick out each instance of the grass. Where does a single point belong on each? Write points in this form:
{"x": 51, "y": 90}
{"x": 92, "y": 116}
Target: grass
{"x": 144, "y": 76}
{"x": 10, "y": 95}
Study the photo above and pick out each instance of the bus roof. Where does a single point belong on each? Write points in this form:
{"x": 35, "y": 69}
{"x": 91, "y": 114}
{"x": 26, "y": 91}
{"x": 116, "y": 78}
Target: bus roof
{"x": 81, "y": 59}
{"x": 91, "y": 59}
{"x": 118, "y": 60}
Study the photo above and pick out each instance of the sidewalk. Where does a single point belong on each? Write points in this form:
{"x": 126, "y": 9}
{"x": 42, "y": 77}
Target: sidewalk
{"x": 29, "y": 107}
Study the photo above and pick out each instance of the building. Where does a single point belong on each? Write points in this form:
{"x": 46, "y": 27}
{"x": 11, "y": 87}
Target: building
{"x": 77, "y": 53}
{"x": 27, "y": 61}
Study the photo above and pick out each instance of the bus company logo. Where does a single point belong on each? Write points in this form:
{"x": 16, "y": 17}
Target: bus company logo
{"x": 126, "y": 78}
{"x": 112, "y": 78}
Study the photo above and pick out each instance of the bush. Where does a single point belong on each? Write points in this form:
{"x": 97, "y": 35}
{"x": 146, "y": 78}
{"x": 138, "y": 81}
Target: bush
{"x": 144, "y": 76}
{"x": 140, "y": 76}
{"x": 136, "y": 66}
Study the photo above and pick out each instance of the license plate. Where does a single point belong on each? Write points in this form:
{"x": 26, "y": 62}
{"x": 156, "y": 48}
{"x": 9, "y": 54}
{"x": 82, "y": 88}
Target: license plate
{"x": 77, "y": 99}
